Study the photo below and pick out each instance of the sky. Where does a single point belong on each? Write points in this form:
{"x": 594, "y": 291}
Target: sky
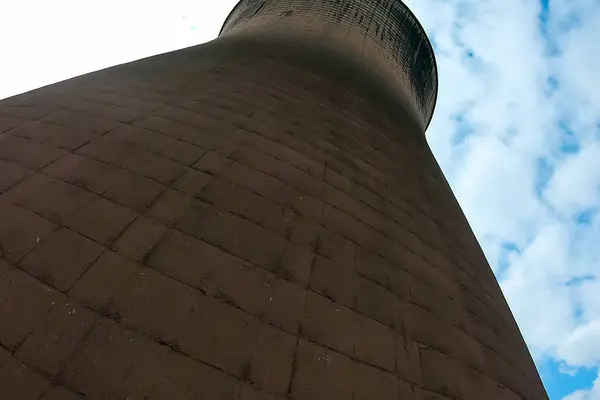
{"x": 516, "y": 131}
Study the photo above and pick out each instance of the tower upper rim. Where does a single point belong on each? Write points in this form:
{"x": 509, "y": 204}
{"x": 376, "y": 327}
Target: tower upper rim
{"x": 428, "y": 46}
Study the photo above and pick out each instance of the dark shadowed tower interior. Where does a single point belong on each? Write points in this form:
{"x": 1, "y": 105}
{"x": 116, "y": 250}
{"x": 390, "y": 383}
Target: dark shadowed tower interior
{"x": 258, "y": 217}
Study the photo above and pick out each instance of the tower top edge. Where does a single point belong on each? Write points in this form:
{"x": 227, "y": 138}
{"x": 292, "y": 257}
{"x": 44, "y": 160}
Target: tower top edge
{"x": 407, "y": 41}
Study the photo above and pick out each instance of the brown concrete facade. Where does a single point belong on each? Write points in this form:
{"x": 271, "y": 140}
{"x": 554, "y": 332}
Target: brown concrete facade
{"x": 381, "y": 36}
{"x": 253, "y": 218}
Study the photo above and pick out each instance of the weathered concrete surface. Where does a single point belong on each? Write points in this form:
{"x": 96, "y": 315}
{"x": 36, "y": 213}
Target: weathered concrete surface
{"x": 246, "y": 219}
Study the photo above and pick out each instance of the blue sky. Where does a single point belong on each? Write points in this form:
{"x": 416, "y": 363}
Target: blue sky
{"x": 517, "y": 134}
{"x": 516, "y": 131}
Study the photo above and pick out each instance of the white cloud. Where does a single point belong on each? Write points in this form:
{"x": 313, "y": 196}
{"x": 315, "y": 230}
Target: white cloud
{"x": 535, "y": 281}
{"x": 565, "y": 369}
{"x": 582, "y": 344}
{"x": 576, "y": 183}
{"x": 512, "y": 176}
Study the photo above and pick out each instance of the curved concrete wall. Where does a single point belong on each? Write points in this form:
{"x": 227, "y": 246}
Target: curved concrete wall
{"x": 384, "y": 34}
{"x": 246, "y": 219}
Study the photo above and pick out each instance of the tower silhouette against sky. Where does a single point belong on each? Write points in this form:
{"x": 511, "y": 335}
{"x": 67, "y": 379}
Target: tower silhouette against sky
{"x": 258, "y": 217}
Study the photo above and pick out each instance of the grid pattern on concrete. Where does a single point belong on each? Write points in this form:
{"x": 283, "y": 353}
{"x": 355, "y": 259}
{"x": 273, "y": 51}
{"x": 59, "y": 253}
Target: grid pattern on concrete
{"x": 248, "y": 231}
{"x": 382, "y": 34}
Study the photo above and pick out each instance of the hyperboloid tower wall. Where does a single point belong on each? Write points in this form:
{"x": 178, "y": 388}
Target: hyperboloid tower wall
{"x": 259, "y": 217}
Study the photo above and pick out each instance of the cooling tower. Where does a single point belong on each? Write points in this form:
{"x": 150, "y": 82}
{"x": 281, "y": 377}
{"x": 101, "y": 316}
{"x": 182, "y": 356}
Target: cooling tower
{"x": 258, "y": 217}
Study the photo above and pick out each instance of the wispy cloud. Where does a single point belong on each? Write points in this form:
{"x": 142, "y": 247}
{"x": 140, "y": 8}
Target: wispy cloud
{"x": 517, "y": 133}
